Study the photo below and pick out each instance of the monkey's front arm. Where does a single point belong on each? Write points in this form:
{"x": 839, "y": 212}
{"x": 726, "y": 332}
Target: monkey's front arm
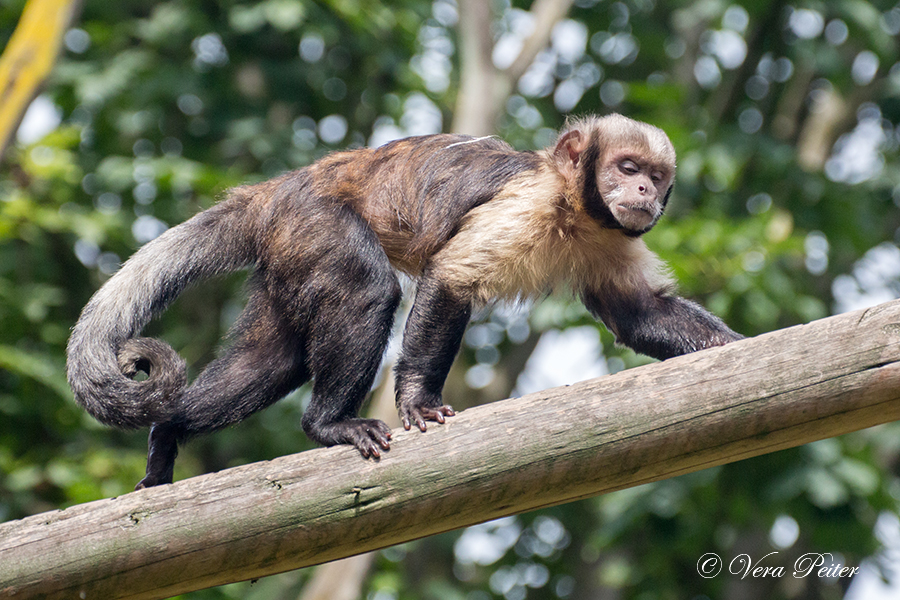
{"x": 434, "y": 331}
{"x": 658, "y": 324}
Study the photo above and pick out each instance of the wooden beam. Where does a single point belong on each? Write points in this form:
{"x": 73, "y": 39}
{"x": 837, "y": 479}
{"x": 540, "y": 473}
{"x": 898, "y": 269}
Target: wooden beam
{"x": 689, "y": 413}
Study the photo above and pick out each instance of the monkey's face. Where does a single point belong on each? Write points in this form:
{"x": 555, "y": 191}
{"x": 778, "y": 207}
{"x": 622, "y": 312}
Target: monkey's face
{"x": 622, "y": 168}
{"x": 635, "y": 190}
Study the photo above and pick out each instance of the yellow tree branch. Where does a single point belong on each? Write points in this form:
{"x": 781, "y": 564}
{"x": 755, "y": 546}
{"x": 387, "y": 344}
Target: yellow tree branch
{"x": 29, "y": 57}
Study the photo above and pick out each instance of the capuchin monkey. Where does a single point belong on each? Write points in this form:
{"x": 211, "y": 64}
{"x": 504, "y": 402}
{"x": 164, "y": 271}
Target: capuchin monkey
{"x": 471, "y": 219}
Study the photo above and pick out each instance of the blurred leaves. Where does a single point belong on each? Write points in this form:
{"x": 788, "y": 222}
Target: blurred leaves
{"x": 37, "y": 367}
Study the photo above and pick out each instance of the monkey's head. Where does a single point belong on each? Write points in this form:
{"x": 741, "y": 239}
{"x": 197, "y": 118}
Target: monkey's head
{"x": 621, "y": 170}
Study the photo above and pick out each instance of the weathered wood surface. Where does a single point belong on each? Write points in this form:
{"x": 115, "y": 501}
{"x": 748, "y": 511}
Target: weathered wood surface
{"x": 756, "y": 396}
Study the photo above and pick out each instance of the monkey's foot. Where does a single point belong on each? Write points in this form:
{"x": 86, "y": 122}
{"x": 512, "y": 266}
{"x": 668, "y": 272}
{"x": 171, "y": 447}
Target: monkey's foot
{"x": 420, "y": 414}
{"x": 163, "y": 444}
{"x": 369, "y": 436}
{"x": 151, "y": 481}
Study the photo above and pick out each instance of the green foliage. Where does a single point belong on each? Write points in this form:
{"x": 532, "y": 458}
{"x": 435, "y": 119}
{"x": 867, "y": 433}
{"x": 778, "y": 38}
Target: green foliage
{"x": 166, "y": 104}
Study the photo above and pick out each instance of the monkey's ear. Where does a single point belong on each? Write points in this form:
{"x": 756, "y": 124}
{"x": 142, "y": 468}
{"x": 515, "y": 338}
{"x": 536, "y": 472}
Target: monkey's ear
{"x": 570, "y": 146}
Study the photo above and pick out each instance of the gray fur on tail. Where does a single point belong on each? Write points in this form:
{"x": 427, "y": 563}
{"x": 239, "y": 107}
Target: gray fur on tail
{"x": 105, "y": 352}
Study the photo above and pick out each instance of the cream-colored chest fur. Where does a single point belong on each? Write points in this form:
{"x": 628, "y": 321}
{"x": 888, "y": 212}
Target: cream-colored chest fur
{"x": 526, "y": 243}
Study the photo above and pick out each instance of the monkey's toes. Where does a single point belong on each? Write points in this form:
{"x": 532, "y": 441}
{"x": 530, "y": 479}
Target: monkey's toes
{"x": 370, "y": 436}
{"x": 420, "y": 414}
{"x": 150, "y": 481}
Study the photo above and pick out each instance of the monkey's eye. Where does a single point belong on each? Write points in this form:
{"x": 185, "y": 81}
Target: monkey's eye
{"x": 627, "y": 166}
{"x": 656, "y": 177}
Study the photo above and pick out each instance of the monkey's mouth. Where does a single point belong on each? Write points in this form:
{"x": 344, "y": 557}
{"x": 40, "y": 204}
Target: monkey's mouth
{"x": 636, "y": 216}
{"x": 639, "y": 208}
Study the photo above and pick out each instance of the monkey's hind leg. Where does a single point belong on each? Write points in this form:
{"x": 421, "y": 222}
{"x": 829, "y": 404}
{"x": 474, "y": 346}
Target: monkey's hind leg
{"x": 265, "y": 362}
{"x": 345, "y": 358}
{"x": 351, "y": 299}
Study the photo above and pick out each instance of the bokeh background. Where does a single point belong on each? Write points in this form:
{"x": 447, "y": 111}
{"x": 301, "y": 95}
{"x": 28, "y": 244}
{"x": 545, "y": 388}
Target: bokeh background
{"x": 786, "y": 119}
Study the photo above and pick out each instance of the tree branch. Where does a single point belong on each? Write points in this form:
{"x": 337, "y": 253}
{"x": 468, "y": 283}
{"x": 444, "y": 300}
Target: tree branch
{"x": 478, "y": 77}
{"x": 546, "y": 14}
{"x": 28, "y": 58}
{"x": 483, "y": 89}
{"x": 713, "y": 407}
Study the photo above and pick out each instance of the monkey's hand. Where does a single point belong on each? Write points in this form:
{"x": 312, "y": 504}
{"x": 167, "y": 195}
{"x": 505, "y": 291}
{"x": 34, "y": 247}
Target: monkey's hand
{"x": 419, "y": 410}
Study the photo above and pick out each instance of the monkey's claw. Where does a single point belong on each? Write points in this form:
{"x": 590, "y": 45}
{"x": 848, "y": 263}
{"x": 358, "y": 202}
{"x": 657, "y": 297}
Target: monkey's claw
{"x": 370, "y": 436}
{"x": 151, "y": 481}
{"x": 420, "y": 414}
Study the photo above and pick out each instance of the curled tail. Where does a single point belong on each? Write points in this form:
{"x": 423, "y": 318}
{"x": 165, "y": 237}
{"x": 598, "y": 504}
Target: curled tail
{"x": 105, "y": 353}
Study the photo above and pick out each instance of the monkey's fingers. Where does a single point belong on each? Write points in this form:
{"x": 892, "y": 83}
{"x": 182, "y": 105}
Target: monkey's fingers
{"x": 420, "y": 414}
